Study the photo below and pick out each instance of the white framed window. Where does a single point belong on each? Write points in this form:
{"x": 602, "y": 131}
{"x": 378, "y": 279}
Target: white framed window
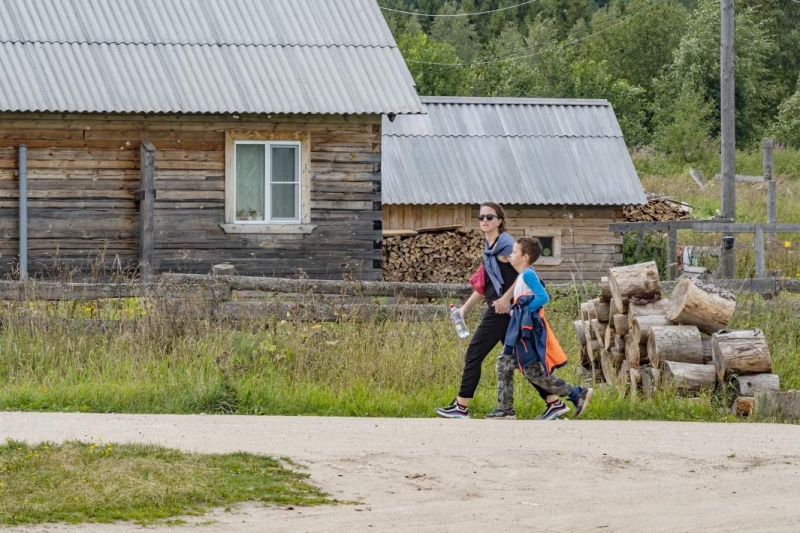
{"x": 267, "y": 183}
{"x": 266, "y": 176}
{"x": 550, "y": 239}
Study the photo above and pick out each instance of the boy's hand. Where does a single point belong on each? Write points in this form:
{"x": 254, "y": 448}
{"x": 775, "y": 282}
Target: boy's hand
{"x": 501, "y": 306}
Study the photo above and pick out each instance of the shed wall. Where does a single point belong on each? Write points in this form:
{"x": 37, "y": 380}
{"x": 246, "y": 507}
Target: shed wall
{"x": 84, "y": 172}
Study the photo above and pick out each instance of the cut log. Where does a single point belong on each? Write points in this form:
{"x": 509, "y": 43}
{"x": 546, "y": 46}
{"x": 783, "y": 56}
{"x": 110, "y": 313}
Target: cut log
{"x": 599, "y": 310}
{"x": 612, "y": 308}
{"x": 687, "y": 377}
{"x": 633, "y": 351}
{"x": 621, "y": 325}
{"x": 609, "y": 336}
{"x": 781, "y": 405}
{"x": 675, "y": 343}
{"x": 578, "y": 325}
{"x": 643, "y": 324}
{"x": 706, "y": 306}
{"x": 619, "y": 343}
{"x": 659, "y": 307}
{"x": 599, "y": 330}
{"x": 638, "y": 281}
{"x": 635, "y": 381}
{"x": 611, "y": 362}
{"x": 741, "y": 353}
{"x": 605, "y": 289}
{"x": 743, "y": 406}
{"x": 707, "y": 357}
{"x": 651, "y": 378}
{"x": 749, "y": 385}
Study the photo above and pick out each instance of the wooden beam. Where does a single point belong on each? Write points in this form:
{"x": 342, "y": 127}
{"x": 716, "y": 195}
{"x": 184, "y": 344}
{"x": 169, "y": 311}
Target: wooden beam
{"x": 742, "y": 177}
{"x": 672, "y": 253}
{"x": 664, "y": 225}
{"x": 146, "y": 205}
{"x": 703, "y": 227}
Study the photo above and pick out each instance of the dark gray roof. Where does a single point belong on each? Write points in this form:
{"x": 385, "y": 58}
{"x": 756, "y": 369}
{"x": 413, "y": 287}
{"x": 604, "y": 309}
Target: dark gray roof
{"x": 508, "y": 150}
{"x": 201, "y": 56}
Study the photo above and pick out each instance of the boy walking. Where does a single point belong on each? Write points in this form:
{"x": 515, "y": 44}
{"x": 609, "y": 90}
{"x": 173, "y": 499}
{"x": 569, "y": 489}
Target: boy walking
{"x": 530, "y": 344}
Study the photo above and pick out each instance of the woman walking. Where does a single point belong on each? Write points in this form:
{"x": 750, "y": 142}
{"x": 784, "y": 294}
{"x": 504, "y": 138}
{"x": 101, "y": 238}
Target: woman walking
{"x": 500, "y": 277}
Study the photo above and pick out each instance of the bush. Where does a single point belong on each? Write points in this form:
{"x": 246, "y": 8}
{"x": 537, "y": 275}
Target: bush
{"x": 653, "y": 248}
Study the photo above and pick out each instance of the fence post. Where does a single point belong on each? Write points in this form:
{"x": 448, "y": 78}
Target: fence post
{"x": 758, "y": 244}
{"x": 146, "y": 205}
{"x": 772, "y": 213}
{"x": 672, "y": 252}
{"x": 23, "y": 212}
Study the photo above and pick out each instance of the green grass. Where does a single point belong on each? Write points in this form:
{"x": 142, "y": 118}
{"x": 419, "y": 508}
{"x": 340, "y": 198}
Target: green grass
{"x": 78, "y": 482}
{"x": 662, "y": 175}
{"x": 289, "y": 367}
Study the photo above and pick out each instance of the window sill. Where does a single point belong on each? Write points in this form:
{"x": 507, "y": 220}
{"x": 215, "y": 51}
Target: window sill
{"x": 549, "y": 261}
{"x": 297, "y": 229}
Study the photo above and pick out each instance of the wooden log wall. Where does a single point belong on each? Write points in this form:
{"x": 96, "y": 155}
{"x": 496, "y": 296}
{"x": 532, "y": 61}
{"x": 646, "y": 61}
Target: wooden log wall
{"x": 588, "y": 247}
{"x": 84, "y": 174}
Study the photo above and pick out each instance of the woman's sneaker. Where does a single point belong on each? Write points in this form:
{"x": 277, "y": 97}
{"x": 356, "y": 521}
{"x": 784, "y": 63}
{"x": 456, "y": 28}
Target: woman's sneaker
{"x": 502, "y": 414}
{"x": 452, "y": 411}
{"x": 554, "y": 410}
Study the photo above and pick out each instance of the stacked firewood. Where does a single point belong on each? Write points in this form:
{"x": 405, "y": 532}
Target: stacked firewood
{"x": 446, "y": 257}
{"x": 657, "y": 208}
{"x": 636, "y": 338}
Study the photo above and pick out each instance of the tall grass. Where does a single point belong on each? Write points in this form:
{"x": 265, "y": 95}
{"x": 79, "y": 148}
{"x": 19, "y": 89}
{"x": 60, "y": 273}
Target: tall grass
{"x": 664, "y": 176}
{"x": 167, "y": 361}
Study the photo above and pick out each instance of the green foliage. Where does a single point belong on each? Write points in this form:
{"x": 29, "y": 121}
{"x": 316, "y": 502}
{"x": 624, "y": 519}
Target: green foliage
{"x": 787, "y": 127}
{"x": 638, "y": 50}
{"x": 697, "y": 62}
{"x": 422, "y": 54}
{"x": 651, "y": 246}
{"x": 640, "y": 55}
{"x": 685, "y": 133}
{"x": 78, "y": 482}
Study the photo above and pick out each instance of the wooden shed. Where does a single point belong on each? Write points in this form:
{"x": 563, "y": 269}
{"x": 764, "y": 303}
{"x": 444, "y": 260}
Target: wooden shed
{"x": 174, "y": 135}
{"x": 559, "y": 167}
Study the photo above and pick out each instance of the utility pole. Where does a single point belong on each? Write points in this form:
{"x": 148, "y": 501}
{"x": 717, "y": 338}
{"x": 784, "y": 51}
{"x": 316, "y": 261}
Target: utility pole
{"x": 727, "y": 255}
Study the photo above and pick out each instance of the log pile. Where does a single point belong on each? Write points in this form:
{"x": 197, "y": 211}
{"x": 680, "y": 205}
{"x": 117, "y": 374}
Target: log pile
{"x": 643, "y": 341}
{"x": 445, "y": 257}
{"x": 657, "y": 208}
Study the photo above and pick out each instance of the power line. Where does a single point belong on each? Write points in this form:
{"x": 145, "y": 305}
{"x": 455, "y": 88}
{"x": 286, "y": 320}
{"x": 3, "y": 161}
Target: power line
{"x": 538, "y": 53}
{"x": 458, "y": 14}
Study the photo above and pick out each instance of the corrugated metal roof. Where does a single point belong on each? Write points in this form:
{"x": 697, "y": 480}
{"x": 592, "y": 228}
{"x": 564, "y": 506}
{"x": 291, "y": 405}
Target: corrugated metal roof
{"x": 201, "y": 56}
{"x": 514, "y": 151}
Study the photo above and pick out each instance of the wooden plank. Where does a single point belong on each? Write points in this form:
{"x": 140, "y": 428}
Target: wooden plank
{"x": 146, "y": 214}
{"x": 703, "y": 227}
{"x": 742, "y": 177}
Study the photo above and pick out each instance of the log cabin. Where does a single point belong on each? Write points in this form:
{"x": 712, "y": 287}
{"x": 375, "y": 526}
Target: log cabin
{"x": 174, "y": 135}
{"x": 559, "y": 167}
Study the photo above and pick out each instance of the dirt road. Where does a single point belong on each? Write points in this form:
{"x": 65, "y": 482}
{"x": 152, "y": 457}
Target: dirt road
{"x": 432, "y": 475}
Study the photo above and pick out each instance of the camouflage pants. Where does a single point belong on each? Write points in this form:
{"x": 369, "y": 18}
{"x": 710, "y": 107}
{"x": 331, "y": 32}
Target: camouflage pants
{"x": 506, "y": 364}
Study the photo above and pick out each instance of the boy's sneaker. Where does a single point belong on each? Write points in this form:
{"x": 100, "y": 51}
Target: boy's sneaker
{"x": 554, "y": 410}
{"x": 452, "y": 411}
{"x": 502, "y": 414}
{"x": 582, "y": 401}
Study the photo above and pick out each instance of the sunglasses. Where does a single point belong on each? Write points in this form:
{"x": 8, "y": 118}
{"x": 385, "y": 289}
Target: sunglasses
{"x": 487, "y": 217}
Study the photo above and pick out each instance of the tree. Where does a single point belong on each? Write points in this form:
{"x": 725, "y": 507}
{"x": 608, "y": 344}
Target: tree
{"x": 457, "y": 32}
{"x": 787, "y": 127}
{"x": 685, "y": 136}
{"x": 638, "y": 49}
{"x": 422, "y": 55}
{"x": 696, "y": 60}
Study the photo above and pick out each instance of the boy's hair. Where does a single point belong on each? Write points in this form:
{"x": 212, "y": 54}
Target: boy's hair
{"x": 531, "y": 247}
{"x": 501, "y": 214}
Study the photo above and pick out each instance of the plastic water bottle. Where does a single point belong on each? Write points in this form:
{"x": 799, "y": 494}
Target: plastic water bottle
{"x": 458, "y": 320}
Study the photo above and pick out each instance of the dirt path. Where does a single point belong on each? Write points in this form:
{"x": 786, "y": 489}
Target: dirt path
{"x": 432, "y": 475}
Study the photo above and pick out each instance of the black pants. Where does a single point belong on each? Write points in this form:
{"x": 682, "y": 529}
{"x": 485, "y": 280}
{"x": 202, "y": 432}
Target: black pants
{"x": 490, "y": 332}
